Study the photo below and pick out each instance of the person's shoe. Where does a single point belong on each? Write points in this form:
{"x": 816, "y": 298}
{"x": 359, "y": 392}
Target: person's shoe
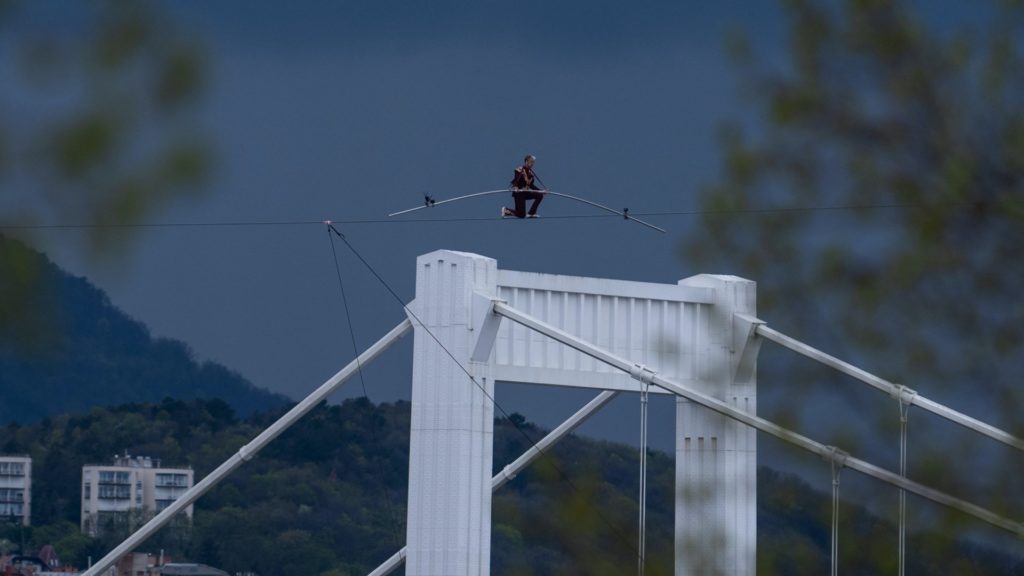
{"x": 505, "y": 212}
{"x": 531, "y": 216}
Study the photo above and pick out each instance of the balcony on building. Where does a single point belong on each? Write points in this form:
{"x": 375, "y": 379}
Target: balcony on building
{"x": 12, "y": 469}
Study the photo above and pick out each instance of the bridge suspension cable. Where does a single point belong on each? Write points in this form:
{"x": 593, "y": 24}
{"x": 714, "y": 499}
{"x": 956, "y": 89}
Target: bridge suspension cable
{"x": 894, "y": 390}
{"x": 642, "y": 499}
{"x": 837, "y": 467}
{"x": 904, "y": 406}
{"x": 905, "y": 398}
{"x": 828, "y": 452}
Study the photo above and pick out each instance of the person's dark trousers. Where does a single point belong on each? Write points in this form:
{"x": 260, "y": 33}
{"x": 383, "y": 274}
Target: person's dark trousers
{"x": 522, "y": 197}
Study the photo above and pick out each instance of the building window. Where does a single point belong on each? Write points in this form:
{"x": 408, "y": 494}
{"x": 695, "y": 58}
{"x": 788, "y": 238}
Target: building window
{"x": 114, "y": 492}
{"x": 107, "y": 521}
{"x": 12, "y": 468}
{"x": 12, "y": 495}
{"x": 88, "y": 491}
{"x": 167, "y": 480}
{"x": 8, "y": 509}
{"x": 114, "y": 477}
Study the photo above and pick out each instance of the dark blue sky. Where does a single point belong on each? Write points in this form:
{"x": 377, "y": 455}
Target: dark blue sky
{"x": 353, "y": 110}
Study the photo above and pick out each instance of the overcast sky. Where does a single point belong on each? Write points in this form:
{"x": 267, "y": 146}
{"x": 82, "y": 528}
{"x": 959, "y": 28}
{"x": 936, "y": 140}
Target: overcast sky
{"x": 352, "y": 110}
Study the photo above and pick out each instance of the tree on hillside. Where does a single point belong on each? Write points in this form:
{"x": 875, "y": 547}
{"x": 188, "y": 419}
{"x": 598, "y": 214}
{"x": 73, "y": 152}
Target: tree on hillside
{"x": 877, "y": 199}
{"x": 327, "y": 497}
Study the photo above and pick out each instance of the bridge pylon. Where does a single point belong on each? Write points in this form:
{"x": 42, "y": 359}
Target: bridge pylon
{"x": 689, "y": 331}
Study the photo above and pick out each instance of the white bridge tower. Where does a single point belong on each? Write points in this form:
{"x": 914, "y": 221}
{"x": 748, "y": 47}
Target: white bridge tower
{"x": 693, "y": 332}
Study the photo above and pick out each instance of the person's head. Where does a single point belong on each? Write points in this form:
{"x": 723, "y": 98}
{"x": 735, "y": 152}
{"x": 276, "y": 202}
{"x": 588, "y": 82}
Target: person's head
{"x": 529, "y": 160}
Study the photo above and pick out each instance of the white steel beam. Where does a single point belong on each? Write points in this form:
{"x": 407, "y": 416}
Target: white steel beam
{"x": 509, "y": 472}
{"x": 894, "y": 390}
{"x": 245, "y": 453}
{"x": 828, "y": 452}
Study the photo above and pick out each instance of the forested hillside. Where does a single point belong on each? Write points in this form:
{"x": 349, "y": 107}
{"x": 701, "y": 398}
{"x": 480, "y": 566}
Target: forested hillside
{"x": 64, "y": 347}
{"x": 328, "y": 498}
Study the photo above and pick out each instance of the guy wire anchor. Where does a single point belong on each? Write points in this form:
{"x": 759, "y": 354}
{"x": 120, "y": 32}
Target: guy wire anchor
{"x": 836, "y": 457}
{"x": 642, "y": 373}
{"x": 903, "y": 395}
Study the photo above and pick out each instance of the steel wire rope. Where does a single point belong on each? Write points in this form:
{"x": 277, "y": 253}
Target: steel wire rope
{"x": 362, "y": 381}
{"x": 832, "y": 333}
{"x": 904, "y": 406}
{"x": 837, "y": 468}
{"x": 904, "y": 398}
{"x": 283, "y": 223}
{"x": 550, "y": 459}
{"x": 642, "y": 560}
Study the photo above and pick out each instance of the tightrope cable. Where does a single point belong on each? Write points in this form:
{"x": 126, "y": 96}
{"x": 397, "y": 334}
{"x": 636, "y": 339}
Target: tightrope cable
{"x": 365, "y": 221}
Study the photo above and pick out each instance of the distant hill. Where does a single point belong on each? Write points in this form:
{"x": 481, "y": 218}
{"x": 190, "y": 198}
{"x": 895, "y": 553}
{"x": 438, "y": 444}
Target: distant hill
{"x": 64, "y": 347}
{"x": 328, "y": 498}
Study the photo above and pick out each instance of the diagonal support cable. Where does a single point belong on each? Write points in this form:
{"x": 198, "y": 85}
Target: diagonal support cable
{"x": 509, "y": 472}
{"x": 246, "y": 453}
{"x": 893, "y": 390}
{"x": 362, "y": 382}
{"x": 757, "y": 422}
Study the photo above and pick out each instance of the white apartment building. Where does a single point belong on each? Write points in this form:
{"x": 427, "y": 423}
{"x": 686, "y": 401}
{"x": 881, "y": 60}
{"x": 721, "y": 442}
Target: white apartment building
{"x": 129, "y": 491}
{"x": 16, "y": 489}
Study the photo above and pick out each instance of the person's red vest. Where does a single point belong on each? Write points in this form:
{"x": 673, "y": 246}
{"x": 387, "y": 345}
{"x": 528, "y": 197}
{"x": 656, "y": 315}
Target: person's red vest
{"x": 523, "y": 178}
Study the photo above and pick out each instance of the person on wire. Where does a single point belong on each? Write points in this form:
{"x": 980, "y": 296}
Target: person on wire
{"x": 524, "y": 188}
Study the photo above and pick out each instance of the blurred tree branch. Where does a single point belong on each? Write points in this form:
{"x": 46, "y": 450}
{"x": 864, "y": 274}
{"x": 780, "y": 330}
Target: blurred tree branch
{"x": 916, "y": 122}
{"x": 100, "y": 124}
{"x": 875, "y": 109}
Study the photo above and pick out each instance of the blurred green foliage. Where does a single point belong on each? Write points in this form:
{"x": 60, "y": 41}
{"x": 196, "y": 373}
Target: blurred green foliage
{"x": 918, "y": 134}
{"x": 99, "y": 125}
{"x": 875, "y": 192}
{"x": 102, "y": 121}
